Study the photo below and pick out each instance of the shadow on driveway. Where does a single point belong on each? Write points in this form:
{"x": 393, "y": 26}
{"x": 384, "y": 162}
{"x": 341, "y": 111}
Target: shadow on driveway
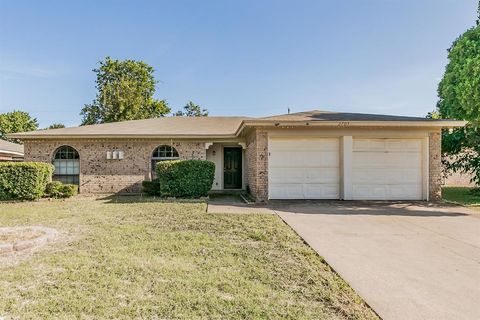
{"x": 379, "y": 208}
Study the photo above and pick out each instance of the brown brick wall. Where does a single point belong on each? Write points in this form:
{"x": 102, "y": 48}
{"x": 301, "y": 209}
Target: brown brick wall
{"x": 435, "y": 165}
{"x": 99, "y": 175}
{"x": 257, "y": 164}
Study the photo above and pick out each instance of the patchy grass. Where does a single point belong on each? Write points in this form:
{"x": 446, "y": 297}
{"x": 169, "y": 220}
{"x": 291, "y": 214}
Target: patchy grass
{"x": 463, "y": 196}
{"x": 15, "y": 236}
{"x": 152, "y": 259}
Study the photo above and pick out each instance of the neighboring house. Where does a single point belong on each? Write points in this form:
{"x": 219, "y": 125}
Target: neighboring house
{"x": 10, "y": 151}
{"x": 457, "y": 179}
{"x": 306, "y": 155}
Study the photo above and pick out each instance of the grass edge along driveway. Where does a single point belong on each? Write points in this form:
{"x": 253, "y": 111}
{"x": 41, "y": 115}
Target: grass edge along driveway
{"x": 463, "y": 196}
{"x": 151, "y": 259}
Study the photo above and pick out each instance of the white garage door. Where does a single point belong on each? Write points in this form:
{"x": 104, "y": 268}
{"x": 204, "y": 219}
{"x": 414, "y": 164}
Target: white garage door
{"x": 303, "y": 168}
{"x": 387, "y": 169}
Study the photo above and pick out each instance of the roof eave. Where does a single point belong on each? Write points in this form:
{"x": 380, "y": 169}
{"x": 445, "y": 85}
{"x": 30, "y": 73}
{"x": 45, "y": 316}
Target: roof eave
{"x": 11, "y": 152}
{"x": 117, "y": 136}
{"x": 346, "y": 124}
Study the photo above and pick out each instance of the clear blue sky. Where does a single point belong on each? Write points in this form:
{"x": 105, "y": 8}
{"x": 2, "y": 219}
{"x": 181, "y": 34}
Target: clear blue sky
{"x": 244, "y": 57}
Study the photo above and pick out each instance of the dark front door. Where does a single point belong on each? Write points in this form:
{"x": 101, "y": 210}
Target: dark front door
{"x": 232, "y": 168}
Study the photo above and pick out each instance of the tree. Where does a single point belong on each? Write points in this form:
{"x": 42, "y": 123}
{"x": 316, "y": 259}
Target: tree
{"x": 192, "y": 110}
{"x": 16, "y": 121}
{"x": 125, "y": 92}
{"x": 459, "y": 98}
{"x": 56, "y": 126}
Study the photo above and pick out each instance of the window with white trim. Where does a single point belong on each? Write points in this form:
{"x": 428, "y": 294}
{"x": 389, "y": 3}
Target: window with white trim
{"x": 67, "y": 165}
{"x": 162, "y": 153}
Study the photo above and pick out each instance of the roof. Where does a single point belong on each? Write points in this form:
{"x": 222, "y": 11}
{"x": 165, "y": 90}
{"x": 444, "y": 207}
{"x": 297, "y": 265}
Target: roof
{"x": 228, "y": 127}
{"x": 156, "y": 127}
{"x": 11, "y": 148}
{"x": 319, "y": 115}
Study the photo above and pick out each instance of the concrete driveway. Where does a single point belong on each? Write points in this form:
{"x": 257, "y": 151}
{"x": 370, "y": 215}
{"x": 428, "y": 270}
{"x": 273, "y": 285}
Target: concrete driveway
{"x": 407, "y": 260}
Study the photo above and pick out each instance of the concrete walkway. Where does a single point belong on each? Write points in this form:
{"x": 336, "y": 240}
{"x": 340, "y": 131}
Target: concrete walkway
{"x": 407, "y": 260}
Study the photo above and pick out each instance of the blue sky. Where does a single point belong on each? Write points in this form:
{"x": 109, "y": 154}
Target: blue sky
{"x": 232, "y": 57}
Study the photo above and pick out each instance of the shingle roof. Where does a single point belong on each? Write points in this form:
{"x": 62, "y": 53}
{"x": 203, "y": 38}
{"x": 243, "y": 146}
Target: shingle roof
{"x": 9, "y": 147}
{"x": 319, "y": 115}
{"x": 166, "y": 126}
{"x": 226, "y": 127}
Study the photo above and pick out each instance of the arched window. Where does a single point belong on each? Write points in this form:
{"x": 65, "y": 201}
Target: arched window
{"x": 163, "y": 153}
{"x": 67, "y": 165}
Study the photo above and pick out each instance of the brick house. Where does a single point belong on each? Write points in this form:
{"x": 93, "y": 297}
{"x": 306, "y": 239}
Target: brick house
{"x": 306, "y": 155}
{"x": 10, "y": 151}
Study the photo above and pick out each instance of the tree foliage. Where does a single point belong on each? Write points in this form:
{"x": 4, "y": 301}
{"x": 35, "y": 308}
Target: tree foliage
{"x": 125, "y": 92}
{"x": 192, "y": 110}
{"x": 16, "y": 121}
{"x": 459, "y": 93}
{"x": 56, "y": 126}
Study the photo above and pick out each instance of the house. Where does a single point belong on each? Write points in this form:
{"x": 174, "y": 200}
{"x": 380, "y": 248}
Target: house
{"x": 305, "y": 155}
{"x": 10, "y": 151}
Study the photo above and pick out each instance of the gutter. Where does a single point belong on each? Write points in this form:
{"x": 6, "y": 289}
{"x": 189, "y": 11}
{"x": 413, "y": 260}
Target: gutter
{"x": 348, "y": 124}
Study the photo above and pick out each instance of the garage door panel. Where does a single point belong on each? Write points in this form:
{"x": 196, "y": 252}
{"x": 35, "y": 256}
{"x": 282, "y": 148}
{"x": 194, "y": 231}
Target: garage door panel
{"x": 286, "y": 175}
{"x": 287, "y": 159}
{"x": 321, "y": 191}
{"x": 304, "y": 168}
{"x": 287, "y": 191}
{"x": 403, "y": 144}
{"x": 387, "y": 169}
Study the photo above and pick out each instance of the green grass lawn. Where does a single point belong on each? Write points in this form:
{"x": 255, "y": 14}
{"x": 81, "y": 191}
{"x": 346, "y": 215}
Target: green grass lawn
{"x": 461, "y": 195}
{"x": 166, "y": 260}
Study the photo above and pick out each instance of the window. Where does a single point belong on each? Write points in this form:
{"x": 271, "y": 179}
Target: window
{"x": 67, "y": 165}
{"x": 163, "y": 153}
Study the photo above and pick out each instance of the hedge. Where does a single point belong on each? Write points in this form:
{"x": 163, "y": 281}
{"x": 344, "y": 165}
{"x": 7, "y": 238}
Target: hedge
{"x": 152, "y": 188}
{"x": 185, "y": 178}
{"x": 24, "y": 180}
{"x": 56, "y": 189}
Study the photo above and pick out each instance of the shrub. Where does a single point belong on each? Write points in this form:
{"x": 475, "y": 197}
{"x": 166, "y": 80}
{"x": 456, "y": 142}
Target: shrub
{"x": 185, "y": 178}
{"x": 56, "y": 189}
{"x": 24, "y": 180}
{"x": 152, "y": 188}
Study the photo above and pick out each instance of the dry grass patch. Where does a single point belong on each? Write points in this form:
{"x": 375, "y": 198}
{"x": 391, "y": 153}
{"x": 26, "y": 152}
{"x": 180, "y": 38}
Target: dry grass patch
{"x": 168, "y": 260}
{"x": 12, "y": 236}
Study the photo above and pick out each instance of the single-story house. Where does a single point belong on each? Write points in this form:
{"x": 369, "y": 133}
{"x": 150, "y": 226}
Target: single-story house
{"x": 305, "y": 155}
{"x": 10, "y": 151}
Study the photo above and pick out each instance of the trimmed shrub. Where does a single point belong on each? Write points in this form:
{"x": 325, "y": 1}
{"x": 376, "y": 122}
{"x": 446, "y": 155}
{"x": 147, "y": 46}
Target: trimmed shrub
{"x": 152, "y": 188}
{"x": 24, "y": 180}
{"x": 185, "y": 178}
{"x": 56, "y": 189}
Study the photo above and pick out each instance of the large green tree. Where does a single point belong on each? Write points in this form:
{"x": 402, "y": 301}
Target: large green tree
{"x": 16, "y": 121}
{"x": 459, "y": 93}
{"x": 125, "y": 92}
{"x": 192, "y": 110}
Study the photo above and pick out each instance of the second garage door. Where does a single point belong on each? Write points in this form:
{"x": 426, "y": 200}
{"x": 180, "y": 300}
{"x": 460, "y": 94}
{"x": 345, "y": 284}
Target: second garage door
{"x": 304, "y": 168}
{"x": 387, "y": 169}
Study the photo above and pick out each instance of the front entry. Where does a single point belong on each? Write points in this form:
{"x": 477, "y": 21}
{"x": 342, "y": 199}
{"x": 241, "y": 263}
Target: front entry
{"x": 232, "y": 168}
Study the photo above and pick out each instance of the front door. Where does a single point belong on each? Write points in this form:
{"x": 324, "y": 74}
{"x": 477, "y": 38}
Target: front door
{"x": 232, "y": 168}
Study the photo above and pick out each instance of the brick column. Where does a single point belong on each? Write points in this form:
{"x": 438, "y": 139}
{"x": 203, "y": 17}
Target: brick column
{"x": 435, "y": 165}
{"x": 257, "y": 164}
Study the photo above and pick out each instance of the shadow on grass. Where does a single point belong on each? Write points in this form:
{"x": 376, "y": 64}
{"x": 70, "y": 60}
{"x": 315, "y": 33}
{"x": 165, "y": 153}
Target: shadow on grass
{"x": 138, "y": 198}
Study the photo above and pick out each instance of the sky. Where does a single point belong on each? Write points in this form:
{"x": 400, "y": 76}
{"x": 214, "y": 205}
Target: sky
{"x": 242, "y": 57}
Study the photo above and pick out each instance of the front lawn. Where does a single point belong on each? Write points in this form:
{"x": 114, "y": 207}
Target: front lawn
{"x": 141, "y": 259}
{"x": 461, "y": 195}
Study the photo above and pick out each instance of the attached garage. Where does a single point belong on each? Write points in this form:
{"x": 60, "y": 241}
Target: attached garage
{"x": 304, "y": 168}
{"x": 387, "y": 169}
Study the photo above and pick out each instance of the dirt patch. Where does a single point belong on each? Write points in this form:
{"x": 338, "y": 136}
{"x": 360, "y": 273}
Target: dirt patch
{"x": 20, "y": 238}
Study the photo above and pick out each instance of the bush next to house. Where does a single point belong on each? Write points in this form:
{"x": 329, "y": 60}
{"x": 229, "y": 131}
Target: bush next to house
{"x": 56, "y": 189}
{"x": 151, "y": 188}
{"x": 185, "y": 178}
{"x": 24, "y": 180}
